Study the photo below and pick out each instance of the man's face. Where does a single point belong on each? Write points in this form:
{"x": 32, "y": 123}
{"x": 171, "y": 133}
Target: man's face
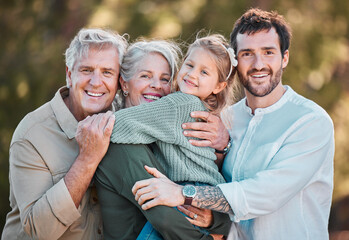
{"x": 260, "y": 63}
{"x": 93, "y": 82}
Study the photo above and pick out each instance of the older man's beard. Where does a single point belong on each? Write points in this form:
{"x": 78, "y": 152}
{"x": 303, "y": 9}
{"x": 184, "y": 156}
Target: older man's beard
{"x": 255, "y": 91}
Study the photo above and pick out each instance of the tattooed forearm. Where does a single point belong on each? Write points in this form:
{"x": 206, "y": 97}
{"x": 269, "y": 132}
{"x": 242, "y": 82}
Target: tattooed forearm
{"x": 211, "y": 198}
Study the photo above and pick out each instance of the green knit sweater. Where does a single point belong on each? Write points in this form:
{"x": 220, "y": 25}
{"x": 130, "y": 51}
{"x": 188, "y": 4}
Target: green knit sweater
{"x": 160, "y": 122}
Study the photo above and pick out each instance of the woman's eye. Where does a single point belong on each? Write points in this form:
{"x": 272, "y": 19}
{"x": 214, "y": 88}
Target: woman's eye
{"x": 145, "y": 76}
{"x": 204, "y": 72}
{"x": 165, "y": 80}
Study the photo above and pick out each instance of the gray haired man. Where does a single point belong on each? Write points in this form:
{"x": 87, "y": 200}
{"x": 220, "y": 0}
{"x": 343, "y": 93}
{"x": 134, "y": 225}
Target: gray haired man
{"x": 56, "y": 149}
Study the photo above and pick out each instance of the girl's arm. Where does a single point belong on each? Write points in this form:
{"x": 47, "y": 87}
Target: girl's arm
{"x": 160, "y": 120}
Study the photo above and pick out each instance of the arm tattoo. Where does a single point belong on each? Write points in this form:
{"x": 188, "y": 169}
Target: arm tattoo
{"x": 210, "y": 197}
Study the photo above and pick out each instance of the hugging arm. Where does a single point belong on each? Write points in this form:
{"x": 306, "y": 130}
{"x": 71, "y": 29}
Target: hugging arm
{"x": 162, "y": 191}
{"x": 210, "y": 131}
{"x": 48, "y": 205}
{"x": 121, "y": 167}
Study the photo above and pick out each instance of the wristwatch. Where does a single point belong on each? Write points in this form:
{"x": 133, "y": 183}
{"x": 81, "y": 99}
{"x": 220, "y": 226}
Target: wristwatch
{"x": 189, "y": 192}
{"x": 225, "y": 150}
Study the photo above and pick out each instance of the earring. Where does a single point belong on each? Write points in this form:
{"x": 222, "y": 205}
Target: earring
{"x": 125, "y": 93}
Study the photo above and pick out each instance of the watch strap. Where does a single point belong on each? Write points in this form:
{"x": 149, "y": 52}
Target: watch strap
{"x": 188, "y": 200}
{"x": 225, "y": 150}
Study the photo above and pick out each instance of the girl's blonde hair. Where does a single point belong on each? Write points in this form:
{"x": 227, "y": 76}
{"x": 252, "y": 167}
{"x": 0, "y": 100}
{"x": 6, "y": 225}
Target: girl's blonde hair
{"x": 218, "y": 46}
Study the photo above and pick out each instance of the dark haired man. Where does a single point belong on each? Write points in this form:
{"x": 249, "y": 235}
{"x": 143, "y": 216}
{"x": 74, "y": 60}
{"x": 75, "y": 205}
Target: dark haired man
{"x": 280, "y": 166}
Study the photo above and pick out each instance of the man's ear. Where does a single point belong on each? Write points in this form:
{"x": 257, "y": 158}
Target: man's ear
{"x": 285, "y": 59}
{"x": 220, "y": 86}
{"x": 123, "y": 84}
{"x": 68, "y": 77}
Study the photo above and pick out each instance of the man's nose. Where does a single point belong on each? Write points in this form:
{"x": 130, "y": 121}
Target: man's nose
{"x": 258, "y": 62}
{"x": 96, "y": 79}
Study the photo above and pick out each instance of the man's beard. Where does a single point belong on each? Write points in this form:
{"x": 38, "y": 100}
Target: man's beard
{"x": 255, "y": 91}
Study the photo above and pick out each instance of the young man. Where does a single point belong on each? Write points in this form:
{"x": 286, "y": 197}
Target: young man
{"x": 56, "y": 149}
{"x": 280, "y": 166}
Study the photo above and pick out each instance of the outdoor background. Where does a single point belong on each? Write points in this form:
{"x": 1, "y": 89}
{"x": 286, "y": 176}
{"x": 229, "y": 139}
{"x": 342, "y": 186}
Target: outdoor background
{"x": 35, "y": 33}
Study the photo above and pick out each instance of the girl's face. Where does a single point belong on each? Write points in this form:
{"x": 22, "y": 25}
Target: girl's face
{"x": 198, "y": 75}
{"x": 150, "y": 83}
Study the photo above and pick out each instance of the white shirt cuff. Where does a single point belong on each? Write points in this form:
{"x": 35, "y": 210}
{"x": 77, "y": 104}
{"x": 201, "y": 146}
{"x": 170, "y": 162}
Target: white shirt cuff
{"x": 236, "y": 198}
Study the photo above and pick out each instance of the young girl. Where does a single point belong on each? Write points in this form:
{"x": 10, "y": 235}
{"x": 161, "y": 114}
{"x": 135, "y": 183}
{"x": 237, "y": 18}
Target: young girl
{"x": 205, "y": 82}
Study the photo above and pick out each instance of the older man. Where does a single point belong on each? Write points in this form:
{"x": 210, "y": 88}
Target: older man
{"x": 280, "y": 166}
{"x": 56, "y": 149}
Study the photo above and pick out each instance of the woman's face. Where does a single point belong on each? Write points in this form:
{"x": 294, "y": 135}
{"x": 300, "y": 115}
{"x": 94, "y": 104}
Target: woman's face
{"x": 150, "y": 83}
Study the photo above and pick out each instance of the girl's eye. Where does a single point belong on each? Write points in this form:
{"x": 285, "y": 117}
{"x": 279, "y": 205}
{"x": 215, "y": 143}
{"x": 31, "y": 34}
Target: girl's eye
{"x": 204, "y": 72}
{"x": 189, "y": 65}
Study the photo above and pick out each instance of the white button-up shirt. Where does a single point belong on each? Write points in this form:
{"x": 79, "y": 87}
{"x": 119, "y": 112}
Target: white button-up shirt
{"x": 280, "y": 169}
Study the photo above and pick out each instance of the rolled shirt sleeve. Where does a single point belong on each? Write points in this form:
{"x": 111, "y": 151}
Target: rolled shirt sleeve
{"x": 45, "y": 205}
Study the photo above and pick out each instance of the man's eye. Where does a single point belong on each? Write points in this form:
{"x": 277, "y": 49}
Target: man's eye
{"x": 108, "y": 73}
{"x": 246, "y": 54}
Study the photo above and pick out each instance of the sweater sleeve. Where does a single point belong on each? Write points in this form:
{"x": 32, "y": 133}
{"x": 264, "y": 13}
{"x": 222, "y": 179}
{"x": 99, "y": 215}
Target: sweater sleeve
{"x": 159, "y": 120}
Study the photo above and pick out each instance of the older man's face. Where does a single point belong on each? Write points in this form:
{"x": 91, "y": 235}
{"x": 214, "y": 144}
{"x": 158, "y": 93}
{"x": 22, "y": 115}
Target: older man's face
{"x": 93, "y": 82}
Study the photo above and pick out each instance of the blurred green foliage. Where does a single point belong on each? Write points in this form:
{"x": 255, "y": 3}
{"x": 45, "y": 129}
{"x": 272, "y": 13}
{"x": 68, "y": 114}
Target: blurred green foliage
{"x": 35, "y": 33}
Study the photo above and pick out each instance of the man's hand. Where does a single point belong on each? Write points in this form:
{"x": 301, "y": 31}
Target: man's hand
{"x": 93, "y": 135}
{"x": 157, "y": 191}
{"x": 212, "y": 131}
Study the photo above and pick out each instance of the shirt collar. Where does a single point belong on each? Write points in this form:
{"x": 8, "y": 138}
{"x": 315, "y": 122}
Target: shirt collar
{"x": 65, "y": 118}
{"x": 285, "y": 97}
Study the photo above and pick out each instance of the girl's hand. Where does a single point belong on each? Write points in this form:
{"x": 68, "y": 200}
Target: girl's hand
{"x": 157, "y": 191}
{"x": 197, "y": 216}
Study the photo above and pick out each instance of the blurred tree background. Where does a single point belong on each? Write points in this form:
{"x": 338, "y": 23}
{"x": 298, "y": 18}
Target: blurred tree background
{"x": 35, "y": 33}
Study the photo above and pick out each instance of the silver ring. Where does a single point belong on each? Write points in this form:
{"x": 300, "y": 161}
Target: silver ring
{"x": 195, "y": 216}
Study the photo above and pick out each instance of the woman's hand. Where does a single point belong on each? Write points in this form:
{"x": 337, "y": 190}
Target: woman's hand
{"x": 197, "y": 216}
{"x": 157, "y": 191}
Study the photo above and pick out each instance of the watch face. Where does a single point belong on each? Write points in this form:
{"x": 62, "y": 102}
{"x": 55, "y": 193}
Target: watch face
{"x": 189, "y": 191}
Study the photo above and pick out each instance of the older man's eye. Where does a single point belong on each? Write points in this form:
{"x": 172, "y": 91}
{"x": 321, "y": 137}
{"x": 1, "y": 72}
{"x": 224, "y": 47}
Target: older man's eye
{"x": 86, "y": 70}
{"x": 108, "y": 73}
